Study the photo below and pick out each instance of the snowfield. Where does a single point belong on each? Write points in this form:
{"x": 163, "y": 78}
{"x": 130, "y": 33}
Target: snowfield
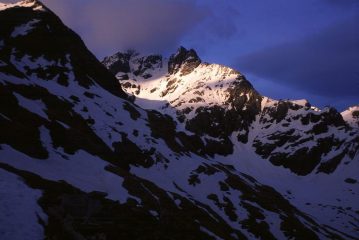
{"x": 170, "y": 148}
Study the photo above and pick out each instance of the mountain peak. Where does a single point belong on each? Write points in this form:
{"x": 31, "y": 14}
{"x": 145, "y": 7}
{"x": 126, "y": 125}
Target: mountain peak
{"x": 122, "y": 63}
{"x": 35, "y": 4}
{"x": 204, "y": 151}
{"x": 184, "y": 60}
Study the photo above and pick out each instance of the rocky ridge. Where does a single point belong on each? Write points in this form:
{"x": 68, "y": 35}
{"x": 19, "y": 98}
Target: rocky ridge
{"x": 215, "y": 101}
{"x": 80, "y": 160}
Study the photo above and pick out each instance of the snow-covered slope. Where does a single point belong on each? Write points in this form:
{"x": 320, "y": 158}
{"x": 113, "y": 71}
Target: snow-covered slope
{"x": 87, "y": 163}
{"x": 256, "y": 134}
{"x": 216, "y": 101}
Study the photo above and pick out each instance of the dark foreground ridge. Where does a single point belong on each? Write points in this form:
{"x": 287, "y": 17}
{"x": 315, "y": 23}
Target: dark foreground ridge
{"x": 102, "y": 167}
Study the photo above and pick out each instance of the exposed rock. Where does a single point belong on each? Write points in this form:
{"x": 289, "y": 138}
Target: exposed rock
{"x": 184, "y": 60}
{"x": 40, "y": 41}
{"x": 103, "y": 168}
{"x": 119, "y": 62}
{"x": 350, "y": 180}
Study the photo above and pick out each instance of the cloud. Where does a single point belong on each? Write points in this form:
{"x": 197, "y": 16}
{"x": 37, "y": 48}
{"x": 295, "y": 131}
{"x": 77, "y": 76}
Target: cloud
{"x": 108, "y": 26}
{"x": 222, "y": 23}
{"x": 324, "y": 64}
{"x": 156, "y": 25}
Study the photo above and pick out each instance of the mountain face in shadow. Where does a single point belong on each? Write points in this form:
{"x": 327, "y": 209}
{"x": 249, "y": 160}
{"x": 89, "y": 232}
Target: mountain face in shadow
{"x": 187, "y": 150}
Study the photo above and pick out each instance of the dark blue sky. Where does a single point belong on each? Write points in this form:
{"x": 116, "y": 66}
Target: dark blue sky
{"x": 287, "y": 49}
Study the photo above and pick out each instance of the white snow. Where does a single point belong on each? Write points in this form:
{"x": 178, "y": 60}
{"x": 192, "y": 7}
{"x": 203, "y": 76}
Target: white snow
{"x": 202, "y": 82}
{"x": 209, "y": 82}
{"x": 24, "y": 29}
{"x": 24, "y": 3}
{"x": 314, "y": 188}
{"x": 35, "y": 106}
{"x": 349, "y": 118}
{"x": 81, "y": 170}
{"x": 5, "y": 117}
{"x": 19, "y": 210}
{"x": 274, "y": 223}
{"x": 205, "y": 230}
{"x": 63, "y": 124}
{"x": 300, "y": 102}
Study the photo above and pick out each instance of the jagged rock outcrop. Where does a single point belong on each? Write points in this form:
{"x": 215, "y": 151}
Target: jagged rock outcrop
{"x": 184, "y": 61}
{"x": 306, "y": 137}
{"x": 121, "y": 64}
{"x": 214, "y": 101}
